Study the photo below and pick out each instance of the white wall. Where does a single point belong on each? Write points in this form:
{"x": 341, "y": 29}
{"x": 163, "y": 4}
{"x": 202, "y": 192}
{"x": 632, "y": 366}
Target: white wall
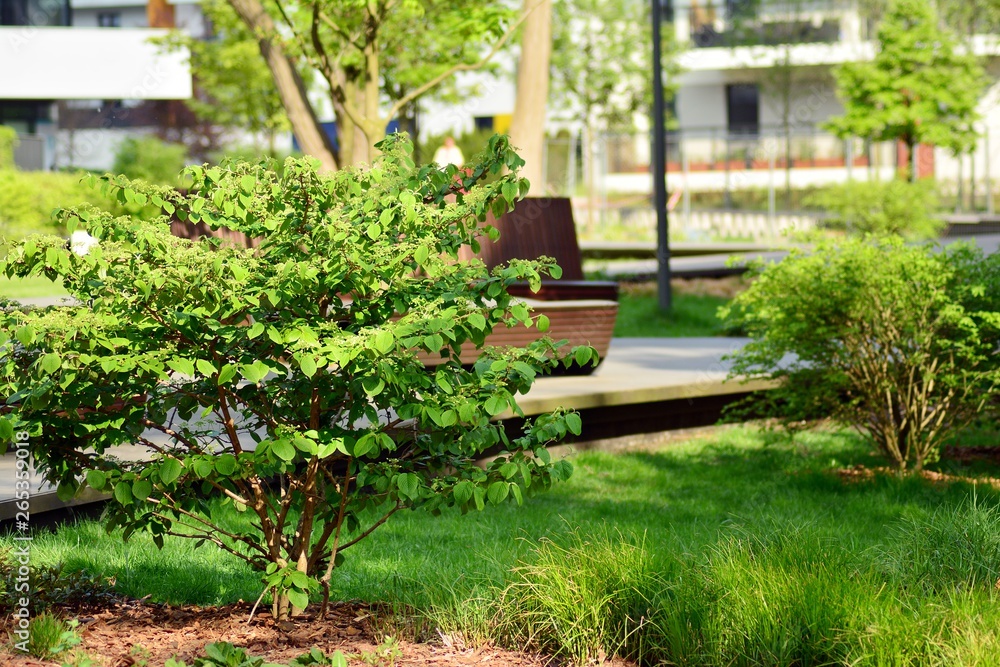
{"x": 89, "y": 63}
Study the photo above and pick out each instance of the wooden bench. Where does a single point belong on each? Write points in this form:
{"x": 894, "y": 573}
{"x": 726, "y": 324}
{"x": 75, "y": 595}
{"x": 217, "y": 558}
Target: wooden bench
{"x": 580, "y": 311}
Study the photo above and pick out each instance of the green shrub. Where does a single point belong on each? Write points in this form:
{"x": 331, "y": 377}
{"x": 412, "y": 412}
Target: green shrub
{"x": 881, "y": 208}
{"x": 895, "y": 340}
{"x": 150, "y": 159}
{"x": 8, "y": 142}
{"x": 28, "y": 200}
{"x": 49, "y": 636}
{"x": 53, "y": 586}
{"x": 297, "y": 361}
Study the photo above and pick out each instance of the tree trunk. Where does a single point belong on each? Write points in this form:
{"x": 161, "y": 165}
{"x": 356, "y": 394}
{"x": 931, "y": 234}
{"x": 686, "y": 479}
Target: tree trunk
{"x": 527, "y": 130}
{"x": 292, "y": 91}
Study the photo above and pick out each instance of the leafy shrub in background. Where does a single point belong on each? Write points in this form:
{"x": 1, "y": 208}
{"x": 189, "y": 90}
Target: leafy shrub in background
{"x": 895, "y": 340}
{"x": 28, "y": 200}
{"x": 296, "y": 361}
{"x": 881, "y": 208}
{"x": 53, "y": 586}
{"x": 150, "y": 159}
{"x": 8, "y": 142}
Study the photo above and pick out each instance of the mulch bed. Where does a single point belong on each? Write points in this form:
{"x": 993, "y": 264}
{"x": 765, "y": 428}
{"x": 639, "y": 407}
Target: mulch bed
{"x": 112, "y": 634}
{"x": 861, "y": 473}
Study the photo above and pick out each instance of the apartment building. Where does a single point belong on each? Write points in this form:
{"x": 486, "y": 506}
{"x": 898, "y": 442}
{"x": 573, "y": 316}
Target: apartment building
{"x": 51, "y": 61}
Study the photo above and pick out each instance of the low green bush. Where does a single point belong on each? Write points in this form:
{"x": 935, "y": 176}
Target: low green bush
{"x": 880, "y": 208}
{"x": 28, "y": 200}
{"x": 150, "y": 159}
{"x": 8, "y": 142}
{"x": 895, "y": 340}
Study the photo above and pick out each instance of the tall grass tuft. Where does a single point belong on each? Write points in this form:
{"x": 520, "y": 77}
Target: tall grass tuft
{"x": 955, "y": 548}
{"x": 582, "y": 601}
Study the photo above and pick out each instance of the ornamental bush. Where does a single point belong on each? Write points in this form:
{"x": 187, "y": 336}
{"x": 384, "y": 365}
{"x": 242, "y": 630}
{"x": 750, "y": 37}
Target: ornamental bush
{"x": 293, "y": 381}
{"x": 881, "y": 208}
{"x": 898, "y": 341}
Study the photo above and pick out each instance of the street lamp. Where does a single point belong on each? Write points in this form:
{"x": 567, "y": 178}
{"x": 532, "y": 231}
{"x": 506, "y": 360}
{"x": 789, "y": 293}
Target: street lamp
{"x": 660, "y": 165}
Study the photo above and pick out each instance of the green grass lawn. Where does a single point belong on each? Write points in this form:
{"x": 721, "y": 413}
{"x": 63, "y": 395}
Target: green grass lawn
{"x": 693, "y": 313}
{"x": 35, "y": 286}
{"x": 743, "y": 549}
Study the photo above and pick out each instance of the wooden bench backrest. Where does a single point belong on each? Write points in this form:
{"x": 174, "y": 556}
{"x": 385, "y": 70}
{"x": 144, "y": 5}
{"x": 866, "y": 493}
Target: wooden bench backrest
{"x": 537, "y": 226}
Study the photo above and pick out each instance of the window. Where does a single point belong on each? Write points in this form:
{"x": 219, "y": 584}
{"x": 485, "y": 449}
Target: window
{"x": 743, "y": 108}
{"x": 109, "y": 19}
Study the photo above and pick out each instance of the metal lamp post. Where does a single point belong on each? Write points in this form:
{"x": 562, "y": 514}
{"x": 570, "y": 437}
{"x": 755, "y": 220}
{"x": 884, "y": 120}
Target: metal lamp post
{"x": 660, "y": 165}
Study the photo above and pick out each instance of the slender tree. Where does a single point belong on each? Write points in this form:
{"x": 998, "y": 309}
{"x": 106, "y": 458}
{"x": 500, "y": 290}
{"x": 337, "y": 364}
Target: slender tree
{"x": 919, "y": 88}
{"x": 527, "y": 130}
{"x": 600, "y": 66}
{"x": 374, "y": 59}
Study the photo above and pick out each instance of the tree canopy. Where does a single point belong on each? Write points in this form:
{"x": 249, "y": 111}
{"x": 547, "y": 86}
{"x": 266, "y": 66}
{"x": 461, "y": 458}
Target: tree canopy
{"x": 919, "y": 88}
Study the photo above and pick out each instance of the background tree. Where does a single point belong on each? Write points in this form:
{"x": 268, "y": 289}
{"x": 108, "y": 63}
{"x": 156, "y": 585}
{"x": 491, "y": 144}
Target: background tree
{"x": 234, "y": 88}
{"x": 601, "y": 54}
{"x": 527, "y": 128}
{"x": 356, "y": 48}
{"x": 918, "y": 89}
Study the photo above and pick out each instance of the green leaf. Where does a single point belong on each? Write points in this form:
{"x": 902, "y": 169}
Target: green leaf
{"x": 205, "y": 367}
{"x": 495, "y": 405}
{"x": 247, "y": 183}
{"x": 141, "y": 488}
{"x": 227, "y": 373}
{"x": 463, "y": 491}
{"x": 364, "y": 445}
{"x": 96, "y": 479}
{"x": 384, "y": 341}
{"x": 25, "y": 335}
{"x": 574, "y": 423}
{"x": 556, "y": 272}
{"x": 225, "y": 464}
{"x": 283, "y": 449}
{"x": 497, "y": 492}
{"x": 477, "y": 321}
{"x": 123, "y": 493}
{"x": 374, "y": 231}
{"x": 373, "y": 386}
{"x": 50, "y": 363}
{"x": 409, "y": 485}
{"x": 420, "y": 254}
{"x": 203, "y": 468}
{"x": 254, "y": 372}
{"x": 542, "y": 322}
{"x": 308, "y": 365}
{"x": 582, "y": 355}
{"x": 297, "y": 598}
{"x": 6, "y": 429}
{"x": 170, "y": 470}
{"x": 182, "y": 366}
{"x": 255, "y": 330}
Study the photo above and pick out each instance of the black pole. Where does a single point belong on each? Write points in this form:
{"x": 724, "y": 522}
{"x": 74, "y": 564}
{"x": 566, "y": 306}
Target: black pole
{"x": 660, "y": 166}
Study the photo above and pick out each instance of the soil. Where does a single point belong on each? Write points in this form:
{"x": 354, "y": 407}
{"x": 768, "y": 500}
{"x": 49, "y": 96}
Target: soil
{"x": 146, "y": 635}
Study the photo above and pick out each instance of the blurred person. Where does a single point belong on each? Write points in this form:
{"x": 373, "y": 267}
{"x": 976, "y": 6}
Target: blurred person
{"x": 449, "y": 153}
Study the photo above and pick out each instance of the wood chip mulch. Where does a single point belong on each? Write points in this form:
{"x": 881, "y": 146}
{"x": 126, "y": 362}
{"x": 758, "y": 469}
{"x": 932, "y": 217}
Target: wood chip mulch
{"x": 112, "y": 635}
{"x": 861, "y": 473}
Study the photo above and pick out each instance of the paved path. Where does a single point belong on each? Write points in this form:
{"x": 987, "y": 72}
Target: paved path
{"x": 636, "y": 370}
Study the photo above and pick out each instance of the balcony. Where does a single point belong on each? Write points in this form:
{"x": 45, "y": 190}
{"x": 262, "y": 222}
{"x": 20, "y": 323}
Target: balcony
{"x": 63, "y": 63}
{"x": 731, "y": 23}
